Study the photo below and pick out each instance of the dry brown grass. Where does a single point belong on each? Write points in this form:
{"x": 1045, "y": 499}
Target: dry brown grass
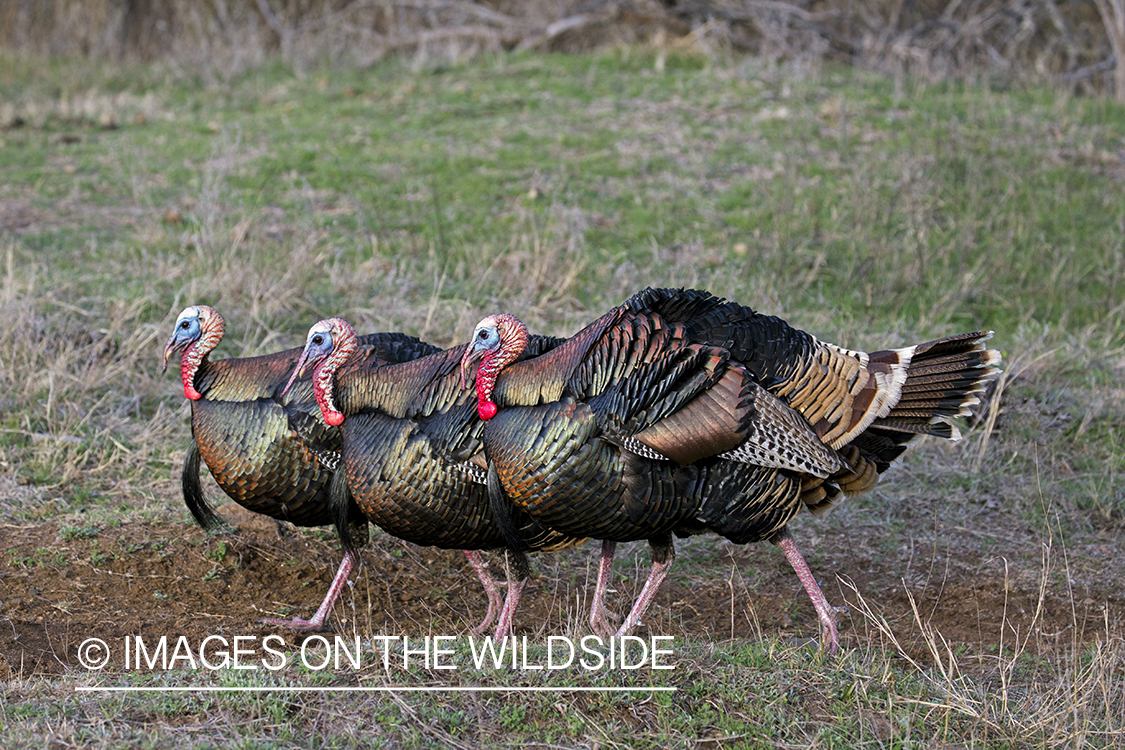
{"x": 92, "y": 433}
{"x": 1071, "y": 43}
{"x": 1067, "y": 693}
{"x": 77, "y": 377}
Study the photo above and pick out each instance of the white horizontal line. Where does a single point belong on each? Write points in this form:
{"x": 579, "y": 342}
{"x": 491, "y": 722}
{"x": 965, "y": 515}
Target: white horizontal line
{"x": 438, "y": 689}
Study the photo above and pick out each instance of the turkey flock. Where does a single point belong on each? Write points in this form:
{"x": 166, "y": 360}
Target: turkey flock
{"x": 674, "y": 414}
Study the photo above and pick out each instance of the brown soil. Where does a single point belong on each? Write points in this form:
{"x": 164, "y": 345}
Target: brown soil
{"x": 59, "y": 588}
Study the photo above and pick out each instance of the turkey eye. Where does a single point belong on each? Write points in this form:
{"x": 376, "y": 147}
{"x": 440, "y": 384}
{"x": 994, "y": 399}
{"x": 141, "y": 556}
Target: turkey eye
{"x": 483, "y": 335}
{"x": 318, "y": 339}
{"x": 184, "y": 325}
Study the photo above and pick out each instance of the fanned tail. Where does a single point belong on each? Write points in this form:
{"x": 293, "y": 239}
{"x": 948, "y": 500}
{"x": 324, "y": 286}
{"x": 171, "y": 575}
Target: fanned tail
{"x": 944, "y": 379}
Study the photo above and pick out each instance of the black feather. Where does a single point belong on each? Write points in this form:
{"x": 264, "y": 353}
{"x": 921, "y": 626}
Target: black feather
{"x": 196, "y": 502}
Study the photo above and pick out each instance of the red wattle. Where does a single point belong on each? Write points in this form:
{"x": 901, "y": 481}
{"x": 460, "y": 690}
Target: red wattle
{"x": 189, "y": 365}
{"x": 486, "y": 409}
{"x": 334, "y": 418}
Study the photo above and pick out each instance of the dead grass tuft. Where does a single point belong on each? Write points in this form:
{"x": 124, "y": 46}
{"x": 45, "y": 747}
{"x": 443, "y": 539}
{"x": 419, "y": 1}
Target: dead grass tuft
{"x": 1035, "y": 686}
{"x": 77, "y": 379}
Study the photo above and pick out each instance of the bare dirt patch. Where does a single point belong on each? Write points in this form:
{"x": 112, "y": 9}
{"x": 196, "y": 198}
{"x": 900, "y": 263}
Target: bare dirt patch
{"x": 63, "y": 584}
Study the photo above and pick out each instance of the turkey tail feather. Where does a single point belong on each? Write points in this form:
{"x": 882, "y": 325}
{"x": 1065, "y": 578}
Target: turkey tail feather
{"x": 501, "y": 513}
{"x": 194, "y": 499}
{"x": 945, "y": 379}
{"x": 340, "y": 506}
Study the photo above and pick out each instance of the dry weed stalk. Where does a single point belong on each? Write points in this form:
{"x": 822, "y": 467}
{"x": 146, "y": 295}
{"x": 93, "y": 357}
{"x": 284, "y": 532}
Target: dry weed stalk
{"x": 1084, "y": 707}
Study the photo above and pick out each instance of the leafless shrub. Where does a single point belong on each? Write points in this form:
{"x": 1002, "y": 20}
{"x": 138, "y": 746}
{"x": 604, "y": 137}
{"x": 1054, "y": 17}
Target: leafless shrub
{"x": 1112, "y": 13}
{"x": 1074, "y": 42}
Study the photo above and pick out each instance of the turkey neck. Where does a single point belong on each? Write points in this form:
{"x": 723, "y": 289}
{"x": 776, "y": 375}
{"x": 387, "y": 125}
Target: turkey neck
{"x": 195, "y": 357}
{"x": 420, "y": 386}
{"x": 250, "y": 378}
{"x": 543, "y": 378}
{"x": 513, "y": 343}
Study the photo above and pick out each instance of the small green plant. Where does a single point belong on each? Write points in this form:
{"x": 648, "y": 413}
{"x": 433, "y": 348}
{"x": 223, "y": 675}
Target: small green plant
{"x": 70, "y": 533}
{"x": 18, "y": 560}
{"x": 512, "y": 717}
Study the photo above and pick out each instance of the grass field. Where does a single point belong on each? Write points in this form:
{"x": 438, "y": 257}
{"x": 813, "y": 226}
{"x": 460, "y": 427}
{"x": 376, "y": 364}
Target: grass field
{"x": 983, "y": 579}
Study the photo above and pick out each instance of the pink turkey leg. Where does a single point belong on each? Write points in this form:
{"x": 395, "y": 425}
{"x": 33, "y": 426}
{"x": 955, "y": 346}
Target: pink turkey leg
{"x": 507, "y": 614}
{"x": 820, "y": 604}
{"x": 490, "y": 588}
{"x": 663, "y": 553}
{"x": 317, "y": 621}
{"x": 599, "y": 615}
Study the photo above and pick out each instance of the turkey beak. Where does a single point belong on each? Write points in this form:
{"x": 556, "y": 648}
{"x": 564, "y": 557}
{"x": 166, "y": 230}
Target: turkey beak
{"x": 472, "y": 357}
{"x": 298, "y": 371}
{"x": 170, "y": 348}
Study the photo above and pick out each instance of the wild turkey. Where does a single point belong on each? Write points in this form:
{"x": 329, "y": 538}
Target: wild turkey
{"x": 410, "y": 434}
{"x": 678, "y": 412}
{"x": 271, "y": 454}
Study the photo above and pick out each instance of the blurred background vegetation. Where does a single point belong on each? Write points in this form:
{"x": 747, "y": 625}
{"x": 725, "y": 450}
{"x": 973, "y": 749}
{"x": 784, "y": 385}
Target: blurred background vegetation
{"x": 1075, "y": 43}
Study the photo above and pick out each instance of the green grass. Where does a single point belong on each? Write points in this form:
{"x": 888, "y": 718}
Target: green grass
{"x": 732, "y": 694}
{"x": 952, "y": 207}
{"x": 554, "y": 186}
{"x": 416, "y": 198}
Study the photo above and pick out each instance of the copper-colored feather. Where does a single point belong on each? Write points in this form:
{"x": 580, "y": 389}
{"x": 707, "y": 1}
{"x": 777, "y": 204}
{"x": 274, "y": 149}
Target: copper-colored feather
{"x": 407, "y": 442}
{"x": 679, "y": 411}
{"x": 273, "y": 455}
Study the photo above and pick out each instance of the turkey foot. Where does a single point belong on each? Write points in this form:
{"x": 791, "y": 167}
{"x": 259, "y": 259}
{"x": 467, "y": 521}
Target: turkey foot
{"x": 317, "y": 621}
